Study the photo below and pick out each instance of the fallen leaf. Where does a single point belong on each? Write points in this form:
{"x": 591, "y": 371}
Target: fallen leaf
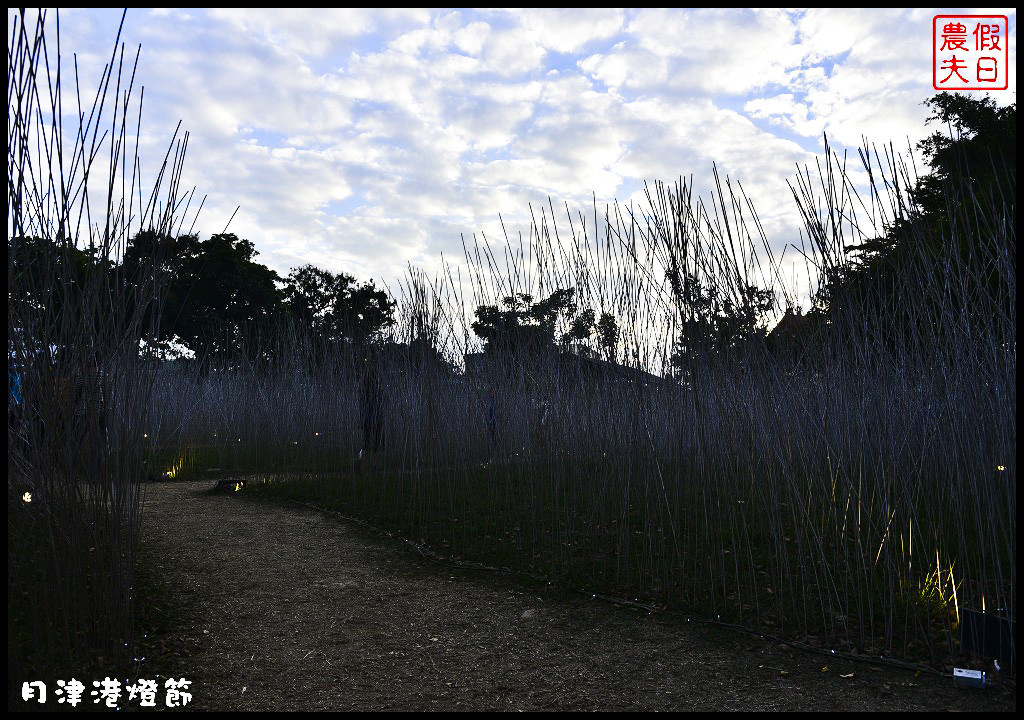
{"x": 847, "y": 676}
{"x": 825, "y": 669}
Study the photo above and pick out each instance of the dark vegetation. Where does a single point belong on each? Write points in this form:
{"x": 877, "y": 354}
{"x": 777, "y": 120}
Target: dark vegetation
{"x": 75, "y": 320}
{"x": 620, "y": 411}
{"x": 617, "y": 411}
{"x": 217, "y": 293}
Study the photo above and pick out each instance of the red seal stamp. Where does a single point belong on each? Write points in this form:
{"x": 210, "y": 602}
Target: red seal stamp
{"x": 970, "y": 52}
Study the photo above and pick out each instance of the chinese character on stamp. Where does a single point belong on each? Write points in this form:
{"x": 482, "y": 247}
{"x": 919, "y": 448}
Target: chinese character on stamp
{"x": 970, "y": 52}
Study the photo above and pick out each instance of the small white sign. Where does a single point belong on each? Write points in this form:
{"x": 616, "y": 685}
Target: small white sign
{"x": 963, "y": 677}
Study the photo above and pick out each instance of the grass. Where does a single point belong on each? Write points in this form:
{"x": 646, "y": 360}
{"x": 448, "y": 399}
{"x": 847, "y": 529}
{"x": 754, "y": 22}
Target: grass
{"x": 622, "y": 554}
{"x": 841, "y": 500}
{"x": 842, "y": 497}
{"x": 763, "y": 536}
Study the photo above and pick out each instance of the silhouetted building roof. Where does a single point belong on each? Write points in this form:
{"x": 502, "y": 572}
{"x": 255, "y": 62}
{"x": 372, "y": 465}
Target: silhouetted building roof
{"x": 569, "y": 364}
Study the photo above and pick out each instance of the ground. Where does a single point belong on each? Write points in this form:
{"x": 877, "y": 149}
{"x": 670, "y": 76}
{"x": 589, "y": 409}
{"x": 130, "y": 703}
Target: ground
{"x": 284, "y": 607}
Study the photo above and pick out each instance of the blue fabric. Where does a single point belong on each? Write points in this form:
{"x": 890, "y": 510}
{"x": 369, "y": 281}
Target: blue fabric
{"x": 15, "y": 379}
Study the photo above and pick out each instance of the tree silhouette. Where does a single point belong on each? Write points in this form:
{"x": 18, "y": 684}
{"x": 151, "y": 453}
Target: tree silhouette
{"x": 977, "y": 153}
{"x": 525, "y": 330}
{"x": 218, "y": 293}
{"x": 335, "y": 307}
{"x": 216, "y": 290}
{"x": 973, "y": 181}
{"x": 713, "y": 323}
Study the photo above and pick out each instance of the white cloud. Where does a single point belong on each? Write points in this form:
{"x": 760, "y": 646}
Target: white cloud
{"x": 719, "y": 51}
{"x": 571, "y": 30}
{"x": 471, "y": 38}
{"x": 363, "y": 139}
{"x": 629, "y": 69}
{"x": 313, "y": 31}
{"x": 512, "y": 52}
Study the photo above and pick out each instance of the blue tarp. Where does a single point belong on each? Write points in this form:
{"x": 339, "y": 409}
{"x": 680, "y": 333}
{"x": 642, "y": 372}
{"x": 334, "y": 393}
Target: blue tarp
{"x": 15, "y": 381}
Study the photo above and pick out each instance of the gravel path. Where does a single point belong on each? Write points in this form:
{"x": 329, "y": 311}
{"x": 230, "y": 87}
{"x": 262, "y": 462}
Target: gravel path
{"x": 289, "y": 608}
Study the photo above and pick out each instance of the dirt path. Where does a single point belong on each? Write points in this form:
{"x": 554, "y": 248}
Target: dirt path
{"x": 289, "y": 608}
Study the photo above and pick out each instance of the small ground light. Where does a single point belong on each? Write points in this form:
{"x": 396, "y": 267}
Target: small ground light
{"x": 317, "y": 434}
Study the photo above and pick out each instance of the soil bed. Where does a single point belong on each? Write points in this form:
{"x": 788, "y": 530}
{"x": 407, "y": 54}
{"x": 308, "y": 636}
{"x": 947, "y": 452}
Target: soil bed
{"x": 282, "y": 607}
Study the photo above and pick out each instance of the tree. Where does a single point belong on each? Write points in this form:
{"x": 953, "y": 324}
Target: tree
{"x": 979, "y": 152}
{"x": 215, "y": 289}
{"x": 50, "y": 276}
{"x": 335, "y": 307}
{"x": 61, "y": 284}
{"x": 362, "y": 313}
{"x": 714, "y": 325}
{"x": 795, "y": 337}
{"x": 218, "y": 294}
{"x": 940, "y": 251}
{"x": 310, "y": 295}
{"x": 516, "y": 331}
{"x": 608, "y": 335}
{"x": 526, "y": 330}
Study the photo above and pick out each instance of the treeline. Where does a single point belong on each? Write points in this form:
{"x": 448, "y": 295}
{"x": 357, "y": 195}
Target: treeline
{"x": 942, "y": 224}
{"x": 214, "y": 291}
{"x": 956, "y": 206}
{"x": 217, "y": 291}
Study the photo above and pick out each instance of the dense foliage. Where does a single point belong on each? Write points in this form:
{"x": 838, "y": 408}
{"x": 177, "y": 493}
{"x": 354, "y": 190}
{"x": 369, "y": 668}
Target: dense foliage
{"x": 528, "y": 329}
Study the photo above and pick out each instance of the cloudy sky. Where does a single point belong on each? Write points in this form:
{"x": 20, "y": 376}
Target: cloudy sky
{"x": 363, "y": 140}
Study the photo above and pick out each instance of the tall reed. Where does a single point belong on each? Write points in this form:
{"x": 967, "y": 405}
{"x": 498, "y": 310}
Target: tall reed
{"x": 856, "y": 497}
{"x": 75, "y": 438}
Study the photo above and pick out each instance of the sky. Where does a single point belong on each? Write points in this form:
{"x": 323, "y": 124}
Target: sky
{"x": 363, "y": 141}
